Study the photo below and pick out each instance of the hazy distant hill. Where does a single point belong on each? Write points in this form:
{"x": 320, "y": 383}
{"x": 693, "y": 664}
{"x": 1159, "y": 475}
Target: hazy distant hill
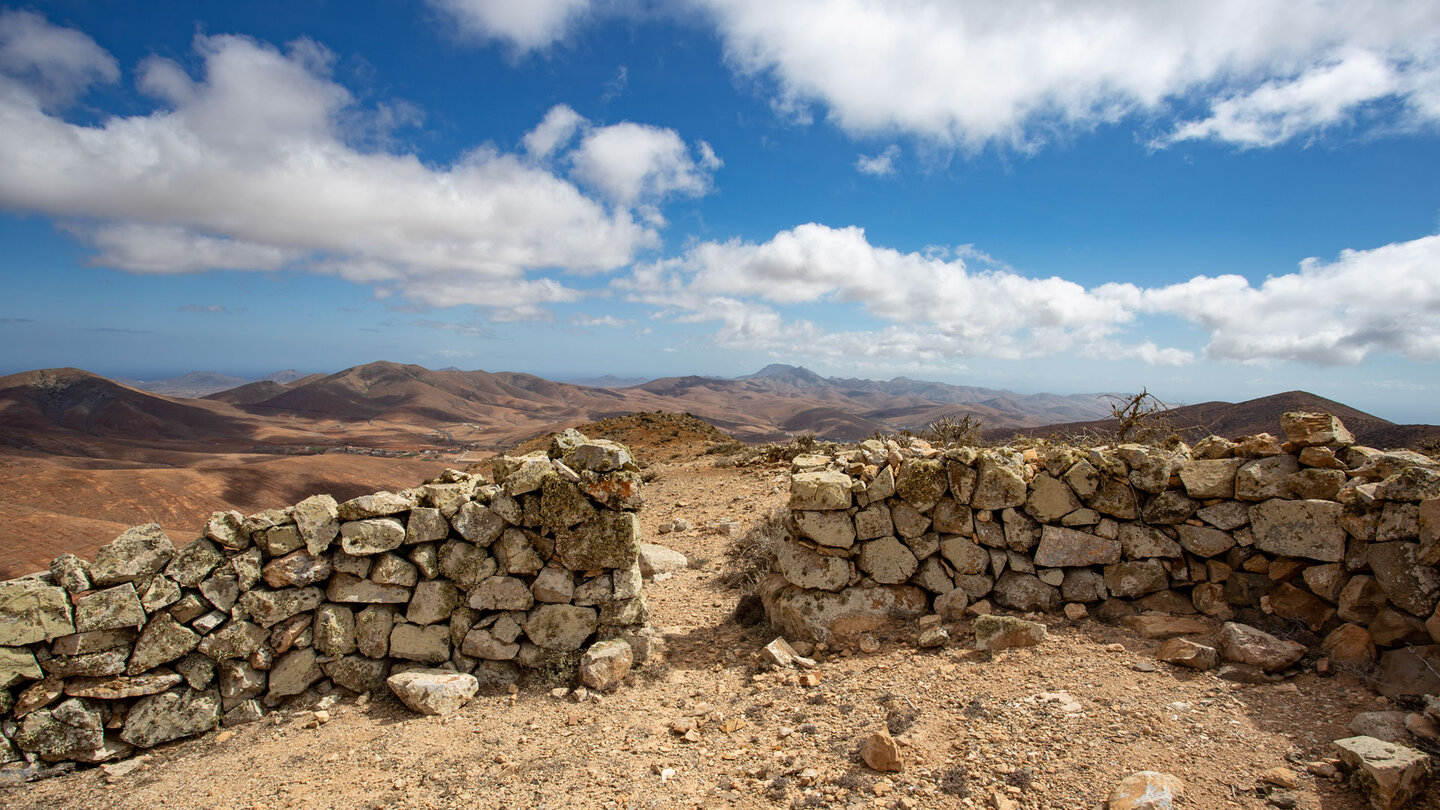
{"x": 198, "y": 384}
{"x": 798, "y": 400}
{"x": 194, "y": 384}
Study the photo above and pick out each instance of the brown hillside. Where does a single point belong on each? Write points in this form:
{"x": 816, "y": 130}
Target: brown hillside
{"x": 71, "y": 411}
{"x": 1235, "y": 419}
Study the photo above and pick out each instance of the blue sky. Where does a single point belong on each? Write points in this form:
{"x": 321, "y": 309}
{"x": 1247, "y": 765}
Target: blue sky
{"x": 1214, "y": 201}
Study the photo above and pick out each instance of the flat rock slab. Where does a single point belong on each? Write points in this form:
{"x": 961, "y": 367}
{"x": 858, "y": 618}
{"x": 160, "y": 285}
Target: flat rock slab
{"x": 1146, "y": 790}
{"x": 1244, "y": 644}
{"x": 1003, "y": 632}
{"x": 433, "y": 691}
{"x": 1389, "y": 773}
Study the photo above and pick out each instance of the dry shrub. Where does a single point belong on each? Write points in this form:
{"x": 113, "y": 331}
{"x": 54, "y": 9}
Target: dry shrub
{"x": 750, "y": 557}
{"x": 947, "y": 431}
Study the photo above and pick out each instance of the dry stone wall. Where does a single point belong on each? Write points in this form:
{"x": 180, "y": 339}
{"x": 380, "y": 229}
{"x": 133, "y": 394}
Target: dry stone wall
{"x": 1337, "y": 540}
{"x": 150, "y": 642}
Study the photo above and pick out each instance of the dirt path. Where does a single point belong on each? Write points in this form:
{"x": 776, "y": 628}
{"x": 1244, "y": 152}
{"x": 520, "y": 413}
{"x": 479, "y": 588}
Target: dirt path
{"x": 972, "y": 724}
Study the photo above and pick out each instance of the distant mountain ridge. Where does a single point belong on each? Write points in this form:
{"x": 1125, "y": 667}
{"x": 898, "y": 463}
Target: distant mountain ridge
{"x": 198, "y": 384}
{"x": 1262, "y": 415}
{"x": 396, "y": 405}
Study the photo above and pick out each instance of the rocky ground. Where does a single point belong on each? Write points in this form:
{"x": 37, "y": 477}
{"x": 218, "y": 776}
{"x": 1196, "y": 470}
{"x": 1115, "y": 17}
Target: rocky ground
{"x": 1051, "y": 726}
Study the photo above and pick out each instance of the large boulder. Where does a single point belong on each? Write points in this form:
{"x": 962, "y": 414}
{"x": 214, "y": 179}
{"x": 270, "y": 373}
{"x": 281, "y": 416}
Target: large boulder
{"x": 32, "y": 611}
{"x": 1003, "y": 632}
{"x": 609, "y": 540}
{"x": 1411, "y": 586}
{"x": 170, "y": 716}
{"x": 1061, "y": 547}
{"x": 68, "y": 731}
{"x": 887, "y": 561}
{"x": 560, "y": 627}
{"x": 433, "y": 691}
{"x": 1309, "y": 529}
{"x": 1391, "y": 774}
{"x": 1265, "y": 478}
{"x": 137, "y": 553}
{"x": 807, "y": 568}
{"x": 109, "y": 609}
{"x": 317, "y": 518}
{"x": 999, "y": 484}
{"x": 1244, "y": 644}
{"x": 1304, "y": 429}
{"x": 833, "y": 528}
{"x": 605, "y": 665}
{"x": 812, "y": 615}
{"x": 823, "y": 490}
{"x": 1026, "y": 592}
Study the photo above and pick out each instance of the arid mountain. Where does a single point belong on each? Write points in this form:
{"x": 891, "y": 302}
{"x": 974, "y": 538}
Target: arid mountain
{"x": 409, "y": 407}
{"x": 1233, "y": 419}
{"x": 68, "y": 411}
{"x": 797, "y": 400}
{"x": 288, "y": 376}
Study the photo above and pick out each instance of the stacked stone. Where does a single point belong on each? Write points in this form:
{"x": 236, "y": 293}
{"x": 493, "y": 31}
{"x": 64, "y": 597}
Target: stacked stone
{"x": 149, "y": 643}
{"x": 1342, "y": 538}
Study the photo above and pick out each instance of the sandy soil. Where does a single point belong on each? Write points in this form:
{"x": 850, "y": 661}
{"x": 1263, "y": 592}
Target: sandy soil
{"x": 50, "y": 505}
{"x": 971, "y": 724}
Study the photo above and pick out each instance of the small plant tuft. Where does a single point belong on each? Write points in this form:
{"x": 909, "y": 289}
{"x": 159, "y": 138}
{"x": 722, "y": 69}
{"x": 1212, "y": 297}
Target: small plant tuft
{"x": 750, "y": 557}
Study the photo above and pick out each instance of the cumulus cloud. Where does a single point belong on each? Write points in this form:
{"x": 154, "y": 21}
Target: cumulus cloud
{"x": 526, "y": 26}
{"x": 57, "y": 63}
{"x": 631, "y": 163}
{"x": 977, "y": 73}
{"x": 878, "y": 165}
{"x": 939, "y": 307}
{"x": 1380, "y": 301}
{"x": 931, "y": 308}
{"x": 252, "y": 166}
{"x": 555, "y": 130}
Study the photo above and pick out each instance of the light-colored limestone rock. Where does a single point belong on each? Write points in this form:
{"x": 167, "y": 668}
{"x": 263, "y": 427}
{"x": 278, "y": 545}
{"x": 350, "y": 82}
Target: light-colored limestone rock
{"x": 433, "y": 691}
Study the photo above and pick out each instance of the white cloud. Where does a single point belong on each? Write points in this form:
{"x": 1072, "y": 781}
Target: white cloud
{"x": 1277, "y": 111}
{"x": 525, "y": 24}
{"x": 1380, "y": 301}
{"x": 633, "y": 163}
{"x": 252, "y": 166}
{"x": 57, "y": 63}
{"x": 879, "y": 165}
{"x": 938, "y": 307}
{"x": 994, "y": 71}
{"x": 584, "y": 321}
{"x": 554, "y": 131}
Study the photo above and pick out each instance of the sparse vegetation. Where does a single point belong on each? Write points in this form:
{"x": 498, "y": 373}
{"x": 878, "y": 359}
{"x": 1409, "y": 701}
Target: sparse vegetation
{"x": 785, "y": 452}
{"x": 947, "y": 431}
{"x": 751, "y": 556}
{"x": 1138, "y": 419}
